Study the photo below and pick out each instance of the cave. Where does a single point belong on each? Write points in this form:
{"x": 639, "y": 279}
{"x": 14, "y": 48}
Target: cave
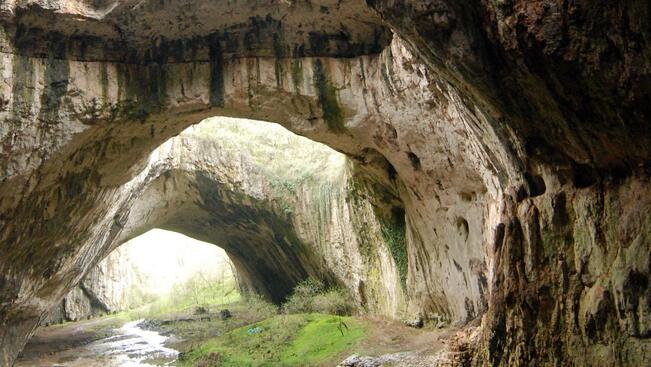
{"x": 494, "y": 158}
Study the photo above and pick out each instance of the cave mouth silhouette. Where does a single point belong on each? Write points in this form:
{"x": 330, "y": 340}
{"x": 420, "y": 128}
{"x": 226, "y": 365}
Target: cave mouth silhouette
{"x": 162, "y": 265}
{"x": 156, "y": 269}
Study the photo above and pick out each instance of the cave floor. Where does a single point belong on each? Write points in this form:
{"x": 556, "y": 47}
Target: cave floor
{"x": 86, "y": 343}
{"x": 57, "y": 338}
{"x": 104, "y": 342}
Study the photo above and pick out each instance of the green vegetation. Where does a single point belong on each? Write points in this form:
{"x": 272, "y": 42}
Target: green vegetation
{"x": 199, "y": 292}
{"x": 273, "y": 152}
{"x": 311, "y": 296}
{"x": 395, "y": 240}
{"x": 257, "y": 335}
{"x": 283, "y": 340}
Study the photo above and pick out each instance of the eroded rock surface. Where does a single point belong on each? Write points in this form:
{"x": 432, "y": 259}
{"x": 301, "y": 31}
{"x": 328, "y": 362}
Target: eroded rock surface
{"x": 104, "y": 289}
{"x": 512, "y": 136}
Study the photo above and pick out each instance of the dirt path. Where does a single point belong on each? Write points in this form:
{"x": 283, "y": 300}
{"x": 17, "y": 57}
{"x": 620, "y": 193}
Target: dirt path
{"x": 392, "y": 337}
{"x": 393, "y": 344}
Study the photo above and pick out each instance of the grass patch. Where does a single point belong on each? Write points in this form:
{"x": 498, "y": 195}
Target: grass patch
{"x": 323, "y": 338}
{"x": 197, "y": 292}
{"x": 283, "y": 340}
{"x": 193, "y": 330}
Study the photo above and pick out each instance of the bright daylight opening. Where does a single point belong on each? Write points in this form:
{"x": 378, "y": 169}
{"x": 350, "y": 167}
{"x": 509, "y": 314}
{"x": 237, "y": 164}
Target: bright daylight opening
{"x": 169, "y": 270}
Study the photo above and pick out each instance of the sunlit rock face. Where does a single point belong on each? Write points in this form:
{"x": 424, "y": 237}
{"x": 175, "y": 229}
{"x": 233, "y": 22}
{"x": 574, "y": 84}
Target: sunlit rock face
{"x": 104, "y": 289}
{"x": 514, "y": 135}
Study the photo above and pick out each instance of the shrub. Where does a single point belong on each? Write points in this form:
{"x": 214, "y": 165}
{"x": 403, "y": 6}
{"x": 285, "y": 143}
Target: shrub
{"x": 261, "y": 308}
{"x": 312, "y": 296}
{"x": 335, "y": 301}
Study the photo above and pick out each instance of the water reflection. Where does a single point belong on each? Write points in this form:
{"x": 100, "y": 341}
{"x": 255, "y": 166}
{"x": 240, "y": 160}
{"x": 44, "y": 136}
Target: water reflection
{"x": 131, "y": 346}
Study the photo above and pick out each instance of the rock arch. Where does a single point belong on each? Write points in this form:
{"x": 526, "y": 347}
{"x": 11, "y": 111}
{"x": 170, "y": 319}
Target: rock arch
{"x": 240, "y": 185}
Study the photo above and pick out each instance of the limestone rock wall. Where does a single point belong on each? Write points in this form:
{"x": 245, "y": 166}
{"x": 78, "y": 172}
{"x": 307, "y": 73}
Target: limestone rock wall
{"x": 104, "y": 289}
{"x": 568, "y": 98}
{"x": 571, "y": 272}
{"x": 108, "y": 282}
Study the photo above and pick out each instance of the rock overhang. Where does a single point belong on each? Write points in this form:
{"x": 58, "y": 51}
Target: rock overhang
{"x": 187, "y": 31}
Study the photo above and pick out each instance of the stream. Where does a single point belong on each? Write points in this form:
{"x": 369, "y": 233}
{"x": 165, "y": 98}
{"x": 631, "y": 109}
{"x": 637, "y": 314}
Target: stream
{"x": 129, "y": 346}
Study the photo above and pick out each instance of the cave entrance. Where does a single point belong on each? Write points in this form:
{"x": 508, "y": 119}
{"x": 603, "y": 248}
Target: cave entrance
{"x": 165, "y": 270}
{"x": 234, "y": 221}
{"x": 157, "y": 272}
{"x": 261, "y": 193}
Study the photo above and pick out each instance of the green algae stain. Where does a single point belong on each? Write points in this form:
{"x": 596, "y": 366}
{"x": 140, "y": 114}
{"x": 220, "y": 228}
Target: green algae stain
{"x": 75, "y": 182}
{"x": 279, "y": 53}
{"x": 297, "y": 74}
{"x": 216, "y": 73}
{"x": 157, "y": 85}
{"x": 327, "y": 93}
{"x": 23, "y": 85}
{"x": 142, "y": 90}
{"x": 104, "y": 81}
{"x": 57, "y": 74}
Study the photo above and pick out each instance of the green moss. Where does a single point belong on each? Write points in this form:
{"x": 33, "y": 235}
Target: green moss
{"x": 394, "y": 237}
{"x": 292, "y": 340}
{"x": 388, "y": 209}
{"x": 332, "y": 112}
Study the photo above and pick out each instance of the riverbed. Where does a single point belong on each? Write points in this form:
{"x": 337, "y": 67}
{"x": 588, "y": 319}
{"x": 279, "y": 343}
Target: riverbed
{"x": 127, "y": 346}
